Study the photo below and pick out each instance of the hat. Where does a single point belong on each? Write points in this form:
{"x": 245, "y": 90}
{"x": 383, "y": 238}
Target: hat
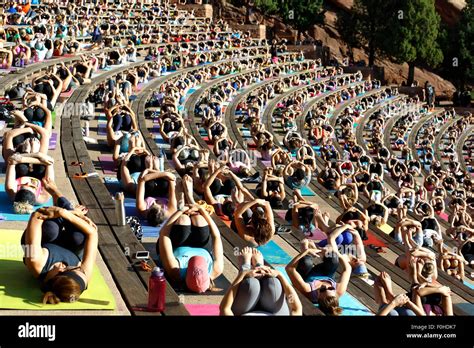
{"x": 197, "y": 275}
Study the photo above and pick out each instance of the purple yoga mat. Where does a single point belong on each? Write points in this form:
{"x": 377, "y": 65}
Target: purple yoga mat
{"x": 102, "y": 129}
{"x": 107, "y": 164}
{"x": 53, "y": 141}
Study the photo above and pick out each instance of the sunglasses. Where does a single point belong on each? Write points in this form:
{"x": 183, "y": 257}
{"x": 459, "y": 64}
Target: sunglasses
{"x": 324, "y": 289}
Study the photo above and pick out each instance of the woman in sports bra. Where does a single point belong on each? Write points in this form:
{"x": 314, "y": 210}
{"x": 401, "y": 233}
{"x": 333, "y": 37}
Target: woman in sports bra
{"x": 272, "y": 189}
{"x": 316, "y": 281}
{"x": 156, "y": 195}
{"x": 23, "y": 180}
{"x": 60, "y": 251}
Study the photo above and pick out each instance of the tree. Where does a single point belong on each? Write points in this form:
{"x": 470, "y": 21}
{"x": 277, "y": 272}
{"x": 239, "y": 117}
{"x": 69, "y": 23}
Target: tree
{"x": 302, "y": 14}
{"x": 366, "y": 25}
{"x": 466, "y": 44}
{"x": 414, "y": 37}
{"x": 267, "y": 7}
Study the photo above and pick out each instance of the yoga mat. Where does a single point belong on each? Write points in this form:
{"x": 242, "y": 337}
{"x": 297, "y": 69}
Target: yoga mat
{"x": 131, "y": 210}
{"x": 53, "y": 117}
{"x": 444, "y": 216}
{"x": 113, "y": 184}
{"x": 273, "y": 254}
{"x": 318, "y": 235}
{"x": 107, "y": 164}
{"x": 280, "y": 213}
{"x": 19, "y": 290}
{"x": 352, "y": 307}
{"x": 203, "y": 309}
{"x": 102, "y": 129}
{"x": 67, "y": 94}
{"x": 468, "y": 284}
{"x": 246, "y": 133}
{"x": 6, "y": 207}
{"x": 386, "y": 228}
{"x": 53, "y": 141}
{"x": 372, "y": 239}
{"x": 306, "y": 191}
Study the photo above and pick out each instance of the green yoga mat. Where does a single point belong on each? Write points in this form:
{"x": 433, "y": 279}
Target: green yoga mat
{"x": 19, "y": 290}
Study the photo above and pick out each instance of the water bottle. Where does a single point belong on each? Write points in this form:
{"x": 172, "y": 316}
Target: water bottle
{"x": 161, "y": 160}
{"x": 156, "y": 291}
{"x": 120, "y": 209}
{"x": 86, "y": 129}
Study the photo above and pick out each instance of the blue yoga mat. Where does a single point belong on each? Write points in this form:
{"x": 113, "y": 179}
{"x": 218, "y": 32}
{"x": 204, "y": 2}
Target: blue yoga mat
{"x": 131, "y": 210}
{"x": 306, "y": 191}
{"x": 6, "y": 207}
{"x": 469, "y": 284}
{"x": 273, "y": 254}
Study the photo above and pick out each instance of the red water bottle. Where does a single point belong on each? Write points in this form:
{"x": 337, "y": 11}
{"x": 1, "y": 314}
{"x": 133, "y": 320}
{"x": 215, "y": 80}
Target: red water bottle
{"x": 156, "y": 291}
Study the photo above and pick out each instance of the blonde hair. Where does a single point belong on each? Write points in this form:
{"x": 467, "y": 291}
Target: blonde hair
{"x": 22, "y": 208}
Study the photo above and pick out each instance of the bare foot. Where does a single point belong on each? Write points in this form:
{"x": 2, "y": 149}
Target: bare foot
{"x": 246, "y": 254}
{"x": 257, "y": 257}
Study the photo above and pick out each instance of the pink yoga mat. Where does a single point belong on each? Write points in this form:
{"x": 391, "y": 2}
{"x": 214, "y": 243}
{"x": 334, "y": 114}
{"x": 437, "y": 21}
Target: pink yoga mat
{"x": 317, "y": 235}
{"x": 444, "y": 216}
{"x": 203, "y": 309}
{"x": 107, "y": 164}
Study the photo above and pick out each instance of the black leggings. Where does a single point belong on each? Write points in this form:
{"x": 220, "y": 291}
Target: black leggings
{"x": 136, "y": 164}
{"x": 60, "y": 232}
{"x": 327, "y": 268}
{"x": 157, "y": 188}
{"x": 38, "y": 171}
{"x": 191, "y": 236}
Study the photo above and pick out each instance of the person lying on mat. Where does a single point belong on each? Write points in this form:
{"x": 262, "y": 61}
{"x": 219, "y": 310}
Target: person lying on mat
{"x": 377, "y": 213}
{"x": 133, "y": 164}
{"x": 317, "y": 282}
{"x": 348, "y": 195}
{"x": 272, "y": 189}
{"x": 190, "y": 249}
{"x": 31, "y": 138}
{"x": 23, "y": 180}
{"x": 156, "y": 195}
{"x": 122, "y": 119}
{"x": 348, "y": 239}
{"x": 306, "y": 216}
{"x": 259, "y": 290}
{"x": 60, "y": 250}
{"x": 254, "y": 221}
{"x": 218, "y": 188}
{"x": 391, "y": 304}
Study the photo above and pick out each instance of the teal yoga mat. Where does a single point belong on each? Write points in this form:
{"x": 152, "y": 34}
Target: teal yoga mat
{"x": 6, "y": 208}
